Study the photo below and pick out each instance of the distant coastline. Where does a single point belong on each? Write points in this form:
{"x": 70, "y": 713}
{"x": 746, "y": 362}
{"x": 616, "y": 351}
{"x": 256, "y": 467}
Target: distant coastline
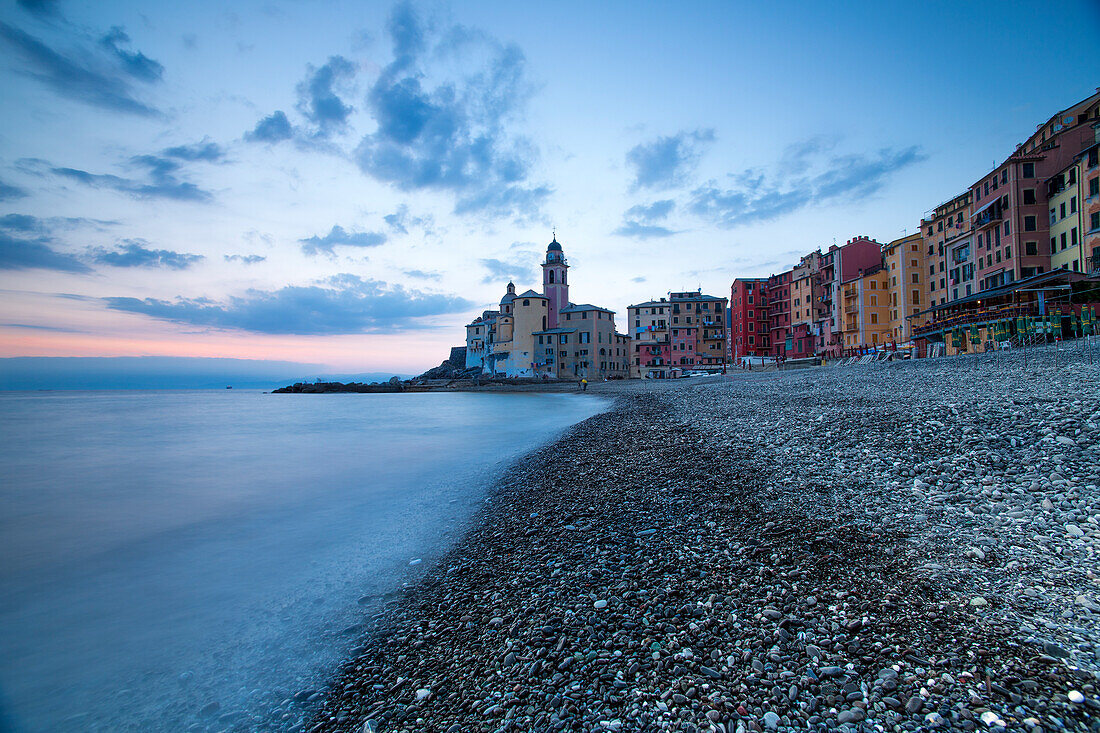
{"x": 432, "y": 385}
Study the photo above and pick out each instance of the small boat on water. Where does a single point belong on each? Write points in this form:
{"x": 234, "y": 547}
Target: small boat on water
{"x": 229, "y": 386}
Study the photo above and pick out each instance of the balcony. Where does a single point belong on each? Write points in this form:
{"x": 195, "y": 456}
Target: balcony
{"x": 990, "y": 214}
{"x": 851, "y": 308}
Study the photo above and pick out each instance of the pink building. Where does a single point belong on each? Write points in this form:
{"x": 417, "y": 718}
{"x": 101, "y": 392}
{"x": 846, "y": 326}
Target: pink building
{"x": 555, "y": 282}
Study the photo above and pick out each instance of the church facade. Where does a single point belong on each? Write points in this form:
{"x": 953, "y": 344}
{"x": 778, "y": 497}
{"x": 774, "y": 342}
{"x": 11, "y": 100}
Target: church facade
{"x": 544, "y": 335}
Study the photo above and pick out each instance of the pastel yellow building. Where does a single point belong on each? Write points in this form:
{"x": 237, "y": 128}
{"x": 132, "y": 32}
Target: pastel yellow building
{"x": 905, "y": 262}
{"x": 1067, "y": 229}
{"x": 866, "y": 310}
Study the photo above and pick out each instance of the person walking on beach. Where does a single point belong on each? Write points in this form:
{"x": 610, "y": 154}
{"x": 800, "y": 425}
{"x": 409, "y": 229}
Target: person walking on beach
{"x": 584, "y": 385}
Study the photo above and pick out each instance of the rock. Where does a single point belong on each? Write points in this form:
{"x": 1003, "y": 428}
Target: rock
{"x": 854, "y": 715}
{"x": 1053, "y": 650}
{"x": 1075, "y": 697}
{"x": 771, "y": 720}
{"x": 422, "y": 693}
{"x": 1088, "y": 603}
{"x": 1074, "y": 531}
{"x": 978, "y": 602}
{"x": 600, "y": 604}
{"x": 914, "y": 705}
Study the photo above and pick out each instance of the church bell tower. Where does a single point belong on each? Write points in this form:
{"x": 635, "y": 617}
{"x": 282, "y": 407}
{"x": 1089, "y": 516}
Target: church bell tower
{"x": 555, "y": 281}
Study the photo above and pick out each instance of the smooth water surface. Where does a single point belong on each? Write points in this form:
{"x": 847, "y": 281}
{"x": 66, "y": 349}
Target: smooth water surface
{"x": 189, "y": 560}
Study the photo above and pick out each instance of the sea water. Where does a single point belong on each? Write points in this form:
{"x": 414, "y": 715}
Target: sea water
{"x": 190, "y": 560}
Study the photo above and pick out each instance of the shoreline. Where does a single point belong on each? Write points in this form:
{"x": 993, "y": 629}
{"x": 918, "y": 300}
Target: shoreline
{"x": 681, "y": 561}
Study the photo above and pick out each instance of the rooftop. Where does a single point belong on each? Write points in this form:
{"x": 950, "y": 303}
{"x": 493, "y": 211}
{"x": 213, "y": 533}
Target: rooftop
{"x": 577, "y": 307}
{"x": 555, "y": 330}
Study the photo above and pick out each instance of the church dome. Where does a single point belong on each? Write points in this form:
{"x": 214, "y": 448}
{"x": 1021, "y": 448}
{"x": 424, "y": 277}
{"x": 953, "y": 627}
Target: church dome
{"x": 554, "y": 246}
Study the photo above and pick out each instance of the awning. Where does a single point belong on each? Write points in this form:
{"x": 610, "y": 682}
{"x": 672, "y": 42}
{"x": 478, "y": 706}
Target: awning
{"x": 983, "y": 208}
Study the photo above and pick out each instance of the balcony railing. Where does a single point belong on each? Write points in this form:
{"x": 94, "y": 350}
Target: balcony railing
{"x": 988, "y": 216}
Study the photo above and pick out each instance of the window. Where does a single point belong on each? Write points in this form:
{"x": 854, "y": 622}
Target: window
{"x": 1006, "y": 229}
{"x": 874, "y": 318}
{"x": 1031, "y": 249}
{"x": 916, "y": 277}
{"x": 1073, "y": 204}
{"x": 1094, "y": 221}
{"x": 1094, "y": 186}
{"x": 916, "y": 297}
{"x": 1063, "y": 241}
{"x": 1053, "y": 216}
{"x": 1029, "y": 223}
{"x": 1062, "y": 211}
{"x": 1028, "y": 170}
{"x": 1029, "y": 196}
{"x": 1073, "y": 236}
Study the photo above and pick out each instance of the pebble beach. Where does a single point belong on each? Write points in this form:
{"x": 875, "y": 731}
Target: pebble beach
{"x": 890, "y": 547}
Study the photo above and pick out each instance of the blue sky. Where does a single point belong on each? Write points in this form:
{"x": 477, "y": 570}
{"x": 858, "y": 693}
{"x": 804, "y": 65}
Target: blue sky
{"x": 346, "y": 184}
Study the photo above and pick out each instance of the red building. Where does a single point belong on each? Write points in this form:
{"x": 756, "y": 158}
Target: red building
{"x": 779, "y": 312}
{"x": 1009, "y": 205}
{"x": 750, "y": 334}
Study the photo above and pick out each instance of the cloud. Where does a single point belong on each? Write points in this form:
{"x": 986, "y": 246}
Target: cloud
{"x": 21, "y": 223}
{"x": 667, "y": 161}
{"x": 318, "y": 101}
{"x": 271, "y": 129}
{"x": 637, "y": 230}
{"x": 205, "y": 150}
{"x": 344, "y": 304}
{"x": 41, "y": 8}
{"x": 639, "y": 221}
{"x": 400, "y": 221}
{"x": 90, "y": 79}
{"x": 422, "y": 274}
{"x": 17, "y": 253}
{"x": 759, "y": 196}
{"x": 656, "y": 211}
{"x": 440, "y": 131}
{"x": 134, "y": 63}
{"x": 338, "y": 237}
{"x": 245, "y": 259}
{"x": 36, "y": 327}
{"x": 162, "y": 174}
{"x": 134, "y": 253}
{"x": 638, "y": 279}
{"x": 499, "y": 270}
{"x": 10, "y": 193}
{"x": 26, "y": 223}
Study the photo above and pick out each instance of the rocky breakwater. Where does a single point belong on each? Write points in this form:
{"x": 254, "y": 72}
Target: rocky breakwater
{"x": 883, "y": 547}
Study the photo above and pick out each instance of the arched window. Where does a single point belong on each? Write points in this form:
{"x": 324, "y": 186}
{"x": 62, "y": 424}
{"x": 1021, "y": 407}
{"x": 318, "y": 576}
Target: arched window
{"x": 527, "y": 302}
{"x": 551, "y": 276}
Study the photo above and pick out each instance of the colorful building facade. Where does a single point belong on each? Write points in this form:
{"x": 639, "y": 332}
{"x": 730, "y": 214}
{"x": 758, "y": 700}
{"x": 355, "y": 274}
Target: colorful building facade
{"x": 904, "y": 262}
{"x": 779, "y": 312}
{"x": 749, "y": 334}
{"x": 684, "y": 332}
{"x": 1010, "y": 206}
{"x": 544, "y": 335}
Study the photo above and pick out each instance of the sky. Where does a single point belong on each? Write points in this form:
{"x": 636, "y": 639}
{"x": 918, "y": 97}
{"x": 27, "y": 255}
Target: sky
{"x": 344, "y": 185}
